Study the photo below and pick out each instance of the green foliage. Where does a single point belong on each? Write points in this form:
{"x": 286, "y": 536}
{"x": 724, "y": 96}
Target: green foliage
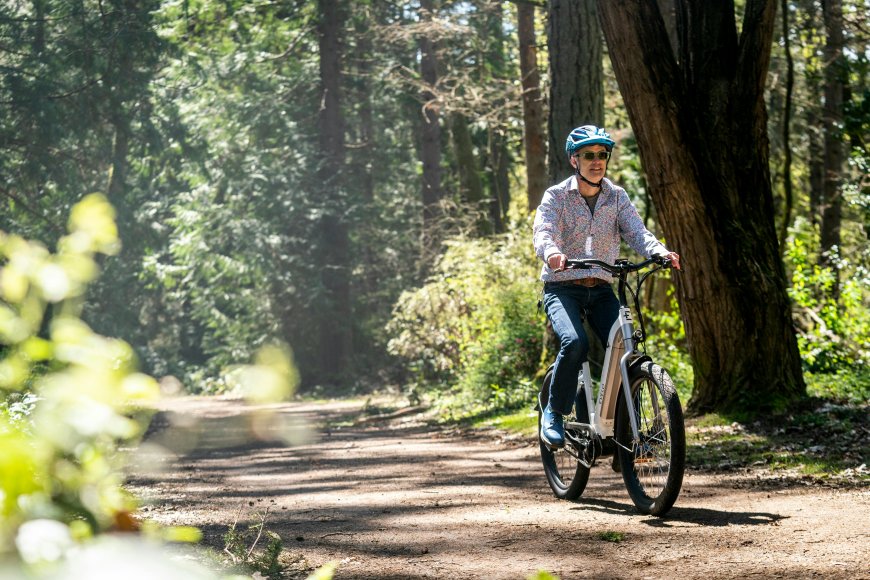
{"x": 70, "y": 394}
{"x": 833, "y": 331}
{"x": 615, "y": 537}
{"x": 666, "y": 344}
{"x": 242, "y": 548}
{"x": 72, "y": 401}
{"x": 846, "y": 385}
{"x": 473, "y": 332}
{"x": 241, "y": 260}
{"x": 524, "y": 422}
{"x": 542, "y": 575}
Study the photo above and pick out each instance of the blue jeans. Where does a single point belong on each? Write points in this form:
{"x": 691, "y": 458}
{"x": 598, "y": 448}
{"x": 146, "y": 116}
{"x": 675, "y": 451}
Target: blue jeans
{"x": 567, "y": 306}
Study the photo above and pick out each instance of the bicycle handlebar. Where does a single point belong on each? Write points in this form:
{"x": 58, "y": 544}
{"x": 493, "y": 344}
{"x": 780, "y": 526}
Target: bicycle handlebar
{"x": 620, "y": 267}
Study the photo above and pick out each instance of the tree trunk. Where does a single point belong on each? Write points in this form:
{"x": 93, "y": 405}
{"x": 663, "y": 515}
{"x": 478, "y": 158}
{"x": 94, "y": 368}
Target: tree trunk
{"x": 812, "y": 110}
{"x": 576, "y": 76}
{"x": 470, "y": 186}
{"x": 535, "y": 144}
{"x": 786, "y": 128}
{"x": 701, "y": 129}
{"x": 832, "y": 122}
{"x": 499, "y": 162}
{"x": 330, "y": 117}
{"x": 335, "y": 341}
{"x": 498, "y": 158}
{"x": 668, "y": 8}
{"x": 365, "y": 22}
{"x": 430, "y": 140}
{"x": 816, "y": 164}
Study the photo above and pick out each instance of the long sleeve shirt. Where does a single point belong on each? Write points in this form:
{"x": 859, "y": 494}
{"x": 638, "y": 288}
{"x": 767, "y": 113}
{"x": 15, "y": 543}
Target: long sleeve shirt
{"x": 564, "y": 224}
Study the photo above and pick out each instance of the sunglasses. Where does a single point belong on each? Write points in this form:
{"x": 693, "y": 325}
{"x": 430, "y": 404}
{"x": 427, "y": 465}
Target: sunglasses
{"x": 590, "y": 155}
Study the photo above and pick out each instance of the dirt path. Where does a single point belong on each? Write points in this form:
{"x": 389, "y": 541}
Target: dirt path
{"x": 396, "y": 498}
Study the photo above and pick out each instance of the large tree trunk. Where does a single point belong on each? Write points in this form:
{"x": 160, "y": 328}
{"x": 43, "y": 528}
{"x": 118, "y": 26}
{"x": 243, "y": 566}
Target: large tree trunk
{"x": 832, "y": 122}
{"x": 335, "y": 341}
{"x": 533, "y": 108}
{"x": 430, "y": 140}
{"x": 701, "y": 128}
{"x": 576, "y": 76}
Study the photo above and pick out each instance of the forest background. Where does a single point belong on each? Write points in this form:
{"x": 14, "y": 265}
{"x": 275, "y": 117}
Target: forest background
{"x": 342, "y": 192}
{"x": 356, "y": 179}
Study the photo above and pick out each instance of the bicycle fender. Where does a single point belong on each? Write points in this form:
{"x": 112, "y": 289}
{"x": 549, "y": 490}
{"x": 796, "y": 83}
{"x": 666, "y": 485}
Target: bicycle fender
{"x": 639, "y": 361}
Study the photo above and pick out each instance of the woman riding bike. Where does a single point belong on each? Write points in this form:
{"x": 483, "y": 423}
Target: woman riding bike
{"x": 583, "y": 217}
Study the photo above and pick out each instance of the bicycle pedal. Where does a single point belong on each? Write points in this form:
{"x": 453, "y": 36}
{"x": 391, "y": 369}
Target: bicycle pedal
{"x": 551, "y": 446}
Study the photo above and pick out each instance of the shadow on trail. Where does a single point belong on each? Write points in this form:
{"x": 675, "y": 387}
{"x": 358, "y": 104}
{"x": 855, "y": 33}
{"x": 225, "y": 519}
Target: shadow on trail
{"x": 693, "y": 515}
{"x": 715, "y": 518}
{"x": 228, "y": 457}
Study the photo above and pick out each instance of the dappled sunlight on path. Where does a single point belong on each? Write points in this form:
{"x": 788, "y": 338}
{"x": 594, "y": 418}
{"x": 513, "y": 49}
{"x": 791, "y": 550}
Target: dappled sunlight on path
{"x": 399, "y": 498}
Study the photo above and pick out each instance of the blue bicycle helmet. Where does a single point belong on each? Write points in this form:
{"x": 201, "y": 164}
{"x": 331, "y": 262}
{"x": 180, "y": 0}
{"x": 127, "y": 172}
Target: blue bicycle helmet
{"x": 588, "y": 135}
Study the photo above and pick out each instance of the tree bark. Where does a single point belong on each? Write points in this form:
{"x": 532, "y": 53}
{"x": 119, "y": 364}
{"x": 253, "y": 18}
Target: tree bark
{"x": 500, "y": 200}
{"x": 812, "y": 111}
{"x": 701, "y": 129}
{"x": 498, "y": 158}
{"x": 576, "y": 76}
{"x": 786, "y": 128}
{"x": 430, "y": 139}
{"x": 331, "y": 128}
{"x": 832, "y": 122}
{"x": 534, "y": 142}
{"x": 365, "y": 22}
{"x": 335, "y": 341}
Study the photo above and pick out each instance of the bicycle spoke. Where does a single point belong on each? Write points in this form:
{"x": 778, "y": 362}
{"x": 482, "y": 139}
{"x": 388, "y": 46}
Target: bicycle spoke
{"x": 652, "y": 454}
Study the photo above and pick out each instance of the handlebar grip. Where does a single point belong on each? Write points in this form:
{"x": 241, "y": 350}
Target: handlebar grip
{"x": 664, "y": 261}
{"x": 573, "y": 265}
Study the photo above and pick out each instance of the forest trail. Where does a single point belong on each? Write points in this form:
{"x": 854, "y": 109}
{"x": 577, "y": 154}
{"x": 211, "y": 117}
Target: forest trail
{"x": 395, "y": 497}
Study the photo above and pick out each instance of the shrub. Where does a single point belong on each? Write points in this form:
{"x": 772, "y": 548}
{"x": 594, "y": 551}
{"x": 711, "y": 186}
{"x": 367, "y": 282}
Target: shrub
{"x": 833, "y": 331}
{"x": 472, "y": 335}
{"x": 72, "y": 401}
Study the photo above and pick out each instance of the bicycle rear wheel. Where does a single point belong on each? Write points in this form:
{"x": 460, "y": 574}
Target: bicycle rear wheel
{"x": 652, "y": 467}
{"x": 566, "y": 476}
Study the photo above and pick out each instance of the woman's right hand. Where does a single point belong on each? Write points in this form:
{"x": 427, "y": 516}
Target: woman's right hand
{"x": 556, "y": 262}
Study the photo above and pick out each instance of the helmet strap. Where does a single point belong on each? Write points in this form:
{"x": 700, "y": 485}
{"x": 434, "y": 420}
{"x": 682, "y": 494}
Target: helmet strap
{"x": 592, "y": 183}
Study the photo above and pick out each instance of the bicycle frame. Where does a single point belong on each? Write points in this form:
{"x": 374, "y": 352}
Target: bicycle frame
{"x": 619, "y": 355}
{"x": 620, "y": 352}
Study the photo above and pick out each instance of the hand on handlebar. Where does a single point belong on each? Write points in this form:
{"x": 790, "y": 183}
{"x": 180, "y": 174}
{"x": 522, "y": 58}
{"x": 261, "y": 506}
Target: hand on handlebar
{"x": 556, "y": 262}
{"x": 674, "y": 259}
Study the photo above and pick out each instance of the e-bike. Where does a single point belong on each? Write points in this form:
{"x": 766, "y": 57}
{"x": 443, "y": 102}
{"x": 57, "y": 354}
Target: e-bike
{"x": 637, "y": 414}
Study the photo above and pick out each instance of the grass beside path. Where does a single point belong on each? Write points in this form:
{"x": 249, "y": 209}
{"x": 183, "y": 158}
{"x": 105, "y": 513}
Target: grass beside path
{"x": 822, "y": 443}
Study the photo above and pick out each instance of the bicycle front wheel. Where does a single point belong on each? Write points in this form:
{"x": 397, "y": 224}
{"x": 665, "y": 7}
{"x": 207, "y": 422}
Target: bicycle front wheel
{"x": 653, "y": 465}
{"x": 567, "y": 476}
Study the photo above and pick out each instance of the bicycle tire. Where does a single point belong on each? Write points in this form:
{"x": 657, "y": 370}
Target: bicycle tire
{"x": 566, "y": 476}
{"x": 653, "y": 469}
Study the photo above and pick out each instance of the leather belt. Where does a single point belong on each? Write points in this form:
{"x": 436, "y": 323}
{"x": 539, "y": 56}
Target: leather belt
{"x": 585, "y": 282}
